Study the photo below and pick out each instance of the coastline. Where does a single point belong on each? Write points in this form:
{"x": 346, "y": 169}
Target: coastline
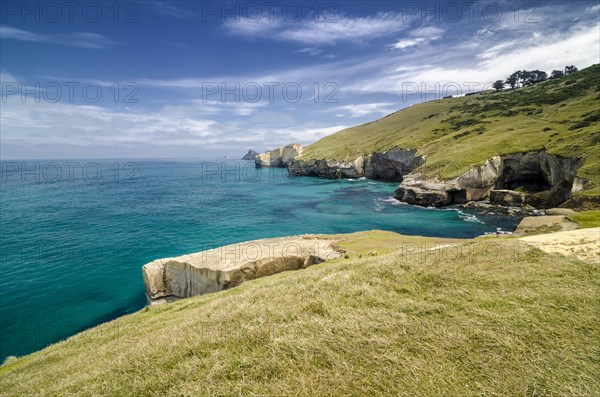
{"x": 307, "y": 205}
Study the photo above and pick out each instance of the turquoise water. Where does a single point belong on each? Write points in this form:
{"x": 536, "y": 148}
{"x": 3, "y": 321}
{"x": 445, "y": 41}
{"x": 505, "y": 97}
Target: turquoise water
{"x": 75, "y": 235}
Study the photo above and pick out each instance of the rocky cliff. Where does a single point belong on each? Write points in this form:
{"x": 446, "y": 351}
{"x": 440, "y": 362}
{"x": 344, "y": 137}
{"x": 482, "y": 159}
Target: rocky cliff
{"x": 279, "y": 157}
{"x": 536, "y": 179}
{"x": 391, "y": 165}
{"x": 225, "y": 267}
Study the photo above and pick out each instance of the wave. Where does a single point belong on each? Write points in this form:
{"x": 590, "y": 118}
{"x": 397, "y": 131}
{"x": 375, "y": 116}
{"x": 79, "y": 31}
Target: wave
{"x": 391, "y": 200}
{"x": 467, "y": 217}
{"x": 354, "y": 179}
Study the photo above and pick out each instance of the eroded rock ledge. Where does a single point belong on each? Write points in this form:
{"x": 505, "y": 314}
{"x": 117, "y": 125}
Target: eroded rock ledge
{"x": 225, "y": 267}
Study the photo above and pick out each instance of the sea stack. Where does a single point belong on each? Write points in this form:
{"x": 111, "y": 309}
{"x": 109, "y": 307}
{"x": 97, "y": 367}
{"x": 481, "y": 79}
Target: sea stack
{"x": 250, "y": 155}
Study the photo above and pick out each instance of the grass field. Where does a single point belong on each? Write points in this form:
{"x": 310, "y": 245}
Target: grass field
{"x": 586, "y": 219}
{"x": 486, "y": 317}
{"x": 561, "y": 116}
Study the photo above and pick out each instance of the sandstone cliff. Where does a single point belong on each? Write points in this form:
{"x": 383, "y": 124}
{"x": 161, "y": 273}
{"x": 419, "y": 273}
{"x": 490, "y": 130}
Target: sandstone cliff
{"x": 279, "y": 157}
{"x": 225, "y": 267}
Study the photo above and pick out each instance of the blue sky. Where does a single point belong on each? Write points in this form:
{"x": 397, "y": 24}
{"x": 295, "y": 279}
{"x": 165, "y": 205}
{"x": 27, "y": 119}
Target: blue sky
{"x": 164, "y": 79}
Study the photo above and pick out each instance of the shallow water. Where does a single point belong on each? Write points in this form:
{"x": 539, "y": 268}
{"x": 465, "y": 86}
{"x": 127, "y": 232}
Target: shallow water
{"x": 74, "y": 235}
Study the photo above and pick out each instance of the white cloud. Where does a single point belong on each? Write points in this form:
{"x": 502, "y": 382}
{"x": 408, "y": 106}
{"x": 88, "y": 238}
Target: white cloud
{"x": 73, "y": 39}
{"x": 593, "y": 9}
{"x": 419, "y": 36}
{"x": 429, "y": 32}
{"x": 365, "y": 109}
{"x": 38, "y": 124}
{"x": 406, "y": 43}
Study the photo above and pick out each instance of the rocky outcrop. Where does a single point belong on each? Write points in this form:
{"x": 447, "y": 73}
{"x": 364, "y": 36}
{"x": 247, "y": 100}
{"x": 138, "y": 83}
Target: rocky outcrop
{"x": 546, "y": 180}
{"x": 391, "y": 165}
{"x": 484, "y": 207}
{"x": 544, "y": 224}
{"x": 509, "y": 198}
{"x": 426, "y": 192}
{"x": 536, "y": 179}
{"x": 225, "y": 267}
{"x": 327, "y": 168}
{"x": 250, "y": 155}
{"x": 279, "y": 157}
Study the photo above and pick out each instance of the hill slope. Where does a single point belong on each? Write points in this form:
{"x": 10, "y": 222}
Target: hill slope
{"x": 486, "y": 317}
{"x": 561, "y": 115}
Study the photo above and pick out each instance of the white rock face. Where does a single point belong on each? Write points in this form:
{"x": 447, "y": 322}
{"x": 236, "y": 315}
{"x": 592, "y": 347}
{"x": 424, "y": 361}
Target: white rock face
{"x": 225, "y": 267}
{"x": 290, "y": 152}
{"x": 279, "y": 157}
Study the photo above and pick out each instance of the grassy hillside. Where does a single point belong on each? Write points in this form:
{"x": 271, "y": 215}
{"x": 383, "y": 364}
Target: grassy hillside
{"x": 485, "y": 318}
{"x": 561, "y": 115}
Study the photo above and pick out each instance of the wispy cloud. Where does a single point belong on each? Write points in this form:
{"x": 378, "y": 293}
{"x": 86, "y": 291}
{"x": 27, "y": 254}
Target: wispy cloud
{"x": 191, "y": 124}
{"x": 593, "y": 9}
{"x": 73, "y": 39}
{"x": 489, "y": 62}
{"x": 345, "y": 28}
{"x": 315, "y": 52}
{"x": 406, "y": 43}
{"x": 170, "y": 9}
{"x": 367, "y": 109}
{"x": 418, "y": 37}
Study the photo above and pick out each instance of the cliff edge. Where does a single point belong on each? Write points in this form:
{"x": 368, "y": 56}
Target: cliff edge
{"x": 221, "y": 268}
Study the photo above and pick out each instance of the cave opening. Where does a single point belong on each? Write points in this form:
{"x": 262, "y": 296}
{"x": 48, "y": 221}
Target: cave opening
{"x": 529, "y": 184}
{"x": 527, "y": 179}
{"x": 457, "y": 196}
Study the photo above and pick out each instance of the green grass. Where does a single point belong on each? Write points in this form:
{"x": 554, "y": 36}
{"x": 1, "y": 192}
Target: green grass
{"x": 484, "y": 318}
{"x": 382, "y": 242}
{"x": 586, "y": 219}
{"x": 561, "y": 116}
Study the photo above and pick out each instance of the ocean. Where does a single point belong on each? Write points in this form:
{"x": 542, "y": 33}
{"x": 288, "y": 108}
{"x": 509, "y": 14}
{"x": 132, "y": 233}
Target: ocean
{"x": 75, "y": 233}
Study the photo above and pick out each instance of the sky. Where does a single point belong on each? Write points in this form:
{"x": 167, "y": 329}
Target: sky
{"x": 197, "y": 79}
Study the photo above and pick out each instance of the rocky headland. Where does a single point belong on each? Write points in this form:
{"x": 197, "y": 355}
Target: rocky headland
{"x": 221, "y": 268}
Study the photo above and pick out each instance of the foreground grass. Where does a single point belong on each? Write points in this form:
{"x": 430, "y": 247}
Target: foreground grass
{"x": 561, "y": 116}
{"x": 586, "y": 219}
{"x": 485, "y": 318}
